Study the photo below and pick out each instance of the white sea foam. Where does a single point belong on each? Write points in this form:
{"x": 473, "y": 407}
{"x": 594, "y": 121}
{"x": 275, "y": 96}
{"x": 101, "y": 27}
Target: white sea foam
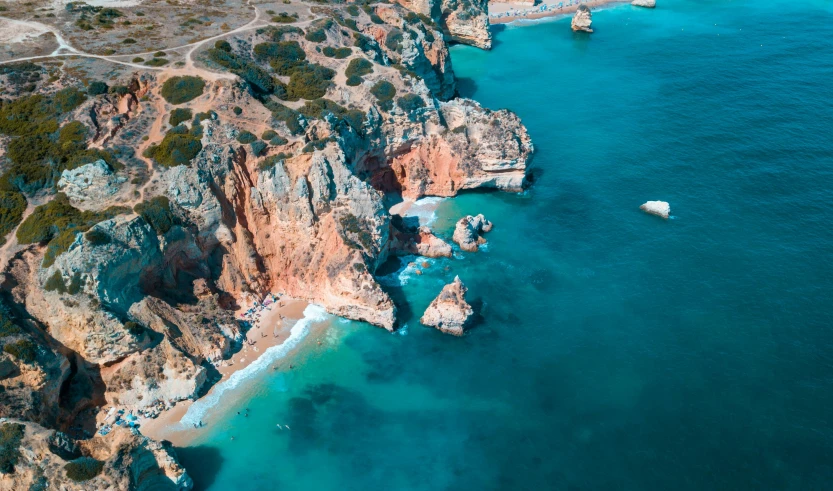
{"x": 197, "y": 411}
{"x": 425, "y": 210}
{"x": 408, "y": 266}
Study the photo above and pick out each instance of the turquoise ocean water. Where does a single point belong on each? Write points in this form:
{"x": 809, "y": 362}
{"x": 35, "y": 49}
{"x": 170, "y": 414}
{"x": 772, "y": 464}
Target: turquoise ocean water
{"x": 616, "y": 350}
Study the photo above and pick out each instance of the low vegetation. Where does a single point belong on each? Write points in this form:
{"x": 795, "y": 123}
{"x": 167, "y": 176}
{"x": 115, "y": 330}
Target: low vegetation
{"x": 358, "y": 67}
{"x": 11, "y": 434}
{"x": 23, "y": 350}
{"x": 337, "y": 53}
{"x": 12, "y": 206}
{"x": 57, "y": 223}
{"x": 83, "y": 469}
{"x": 384, "y": 92}
{"x": 181, "y": 89}
{"x": 179, "y": 115}
{"x": 178, "y": 147}
{"x": 157, "y": 213}
{"x": 410, "y": 103}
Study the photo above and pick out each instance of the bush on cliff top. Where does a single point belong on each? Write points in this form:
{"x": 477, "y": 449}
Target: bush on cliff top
{"x": 24, "y": 350}
{"x": 11, "y": 434}
{"x": 177, "y": 90}
{"x": 57, "y": 223}
{"x": 12, "y": 206}
{"x": 410, "y": 102}
{"x": 179, "y": 115}
{"x": 337, "y": 53}
{"x": 358, "y": 67}
{"x": 246, "y": 136}
{"x": 83, "y": 469}
{"x": 157, "y": 213}
{"x": 384, "y": 92}
{"x": 308, "y": 82}
{"x": 178, "y": 147}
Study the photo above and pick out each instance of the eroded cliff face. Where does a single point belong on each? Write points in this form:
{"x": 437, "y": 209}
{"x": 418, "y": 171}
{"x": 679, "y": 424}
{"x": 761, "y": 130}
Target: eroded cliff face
{"x": 133, "y": 314}
{"x": 463, "y": 21}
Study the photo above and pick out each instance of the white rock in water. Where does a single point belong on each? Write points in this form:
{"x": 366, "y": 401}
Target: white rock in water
{"x": 644, "y": 3}
{"x": 582, "y": 20}
{"x": 658, "y": 208}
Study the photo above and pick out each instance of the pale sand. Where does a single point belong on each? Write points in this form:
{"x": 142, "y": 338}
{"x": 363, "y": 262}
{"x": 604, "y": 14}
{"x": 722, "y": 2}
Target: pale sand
{"x": 517, "y": 11}
{"x": 267, "y": 331}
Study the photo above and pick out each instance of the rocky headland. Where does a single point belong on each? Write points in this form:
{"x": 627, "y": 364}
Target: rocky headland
{"x": 582, "y": 20}
{"x": 144, "y": 213}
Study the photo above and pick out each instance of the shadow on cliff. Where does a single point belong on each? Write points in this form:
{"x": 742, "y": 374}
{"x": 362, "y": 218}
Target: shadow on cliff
{"x": 202, "y": 463}
{"x": 404, "y": 311}
{"x": 466, "y": 87}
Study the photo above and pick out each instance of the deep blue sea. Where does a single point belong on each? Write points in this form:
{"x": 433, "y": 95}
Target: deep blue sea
{"x": 616, "y": 350}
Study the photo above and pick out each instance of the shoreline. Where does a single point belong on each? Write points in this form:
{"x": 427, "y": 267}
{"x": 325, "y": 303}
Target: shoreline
{"x": 273, "y": 330}
{"x": 507, "y": 12}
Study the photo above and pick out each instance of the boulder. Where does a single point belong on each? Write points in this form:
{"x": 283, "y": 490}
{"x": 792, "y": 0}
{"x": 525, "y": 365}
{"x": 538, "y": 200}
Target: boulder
{"x": 468, "y": 230}
{"x": 658, "y": 208}
{"x": 582, "y": 20}
{"x": 92, "y": 183}
{"x": 449, "y": 312}
{"x": 644, "y": 3}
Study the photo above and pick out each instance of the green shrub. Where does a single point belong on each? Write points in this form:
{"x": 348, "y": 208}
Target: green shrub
{"x": 128, "y": 41}
{"x": 288, "y": 116}
{"x": 410, "y": 102}
{"x": 246, "y": 137}
{"x": 83, "y": 469}
{"x": 8, "y": 326}
{"x": 55, "y": 283}
{"x": 353, "y": 10}
{"x": 224, "y": 45}
{"x": 278, "y": 140}
{"x": 271, "y": 160}
{"x": 119, "y": 90}
{"x": 358, "y": 67}
{"x": 237, "y": 110}
{"x": 354, "y": 80}
{"x": 367, "y": 45}
{"x": 11, "y": 434}
{"x": 276, "y": 33}
{"x": 138, "y": 59}
{"x": 134, "y": 328}
{"x": 176, "y": 148}
{"x": 316, "y": 35}
{"x": 177, "y": 90}
{"x": 376, "y": 19}
{"x": 24, "y": 350}
{"x": 320, "y": 108}
{"x": 160, "y": 54}
{"x": 284, "y": 18}
{"x": 268, "y": 135}
{"x": 97, "y": 88}
{"x": 309, "y": 82}
{"x": 338, "y": 54}
{"x": 283, "y": 56}
{"x": 156, "y": 62}
{"x": 384, "y": 92}
{"x": 200, "y": 117}
{"x": 57, "y": 223}
{"x": 97, "y": 237}
{"x": 179, "y": 115}
{"x": 157, "y": 213}
{"x": 394, "y": 39}
{"x": 258, "y": 147}
{"x": 12, "y": 206}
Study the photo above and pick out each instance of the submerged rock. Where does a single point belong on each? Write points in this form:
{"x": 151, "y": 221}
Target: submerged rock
{"x": 449, "y": 312}
{"x": 658, "y": 208}
{"x": 644, "y": 3}
{"x": 468, "y": 230}
{"x": 582, "y": 20}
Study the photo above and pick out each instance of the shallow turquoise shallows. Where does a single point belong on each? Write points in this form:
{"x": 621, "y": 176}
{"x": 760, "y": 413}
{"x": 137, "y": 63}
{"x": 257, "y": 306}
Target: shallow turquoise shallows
{"x": 616, "y": 350}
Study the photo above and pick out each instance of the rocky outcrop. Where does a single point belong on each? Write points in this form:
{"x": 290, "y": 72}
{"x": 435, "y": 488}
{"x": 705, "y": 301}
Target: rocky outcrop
{"x": 468, "y": 232}
{"x": 449, "y": 312}
{"x": 129, "y": 462}
{"x": 93, "y": 182}
{"x": 463, "y": 21}
{"x": 644, "y": 3}
{"x": 421, "y": 242}
{"x": 582, "y": 20}
{"x": 658, "y": 208}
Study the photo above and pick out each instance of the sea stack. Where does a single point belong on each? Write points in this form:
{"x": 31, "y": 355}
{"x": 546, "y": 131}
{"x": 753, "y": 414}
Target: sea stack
{"x": 468, "y": 230}
{"x": 449, "y": 312}
{"x": 644, "y": 3}
{"x": 583, "y": 19}
{"x": 658, "y": 208}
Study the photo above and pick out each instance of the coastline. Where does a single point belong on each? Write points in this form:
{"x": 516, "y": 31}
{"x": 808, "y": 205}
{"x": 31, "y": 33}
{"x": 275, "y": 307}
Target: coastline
{"x": 277, "y": 329}
{"x": 507, "y": 12}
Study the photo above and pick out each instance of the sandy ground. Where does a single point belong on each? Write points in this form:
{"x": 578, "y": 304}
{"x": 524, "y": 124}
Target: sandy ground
{"x": 271, "y": 328}
{"x": 504, "y": 12}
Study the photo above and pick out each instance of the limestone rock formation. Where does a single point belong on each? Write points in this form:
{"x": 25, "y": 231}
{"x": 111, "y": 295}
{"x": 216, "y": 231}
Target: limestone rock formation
{"x": 421, "y": 242}
{"x": 93, "y": 182}
{"x": 644, "y": 3}
{"x": 463, "y": 21}
{"x": 582, "y": 19}
{"x": 449, "y": 312}
{"x": 468, "y": 232}
{"x": 658, "y": 208}
{"x": 129, "y": 461}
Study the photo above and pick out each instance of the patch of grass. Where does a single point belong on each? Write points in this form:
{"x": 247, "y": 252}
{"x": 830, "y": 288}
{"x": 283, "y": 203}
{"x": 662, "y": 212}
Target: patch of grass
{"x": 309, "y": 82}
{"x": 57, "y": 223}
{"x": 178, "y": 147}
{"x": 358, "y": 67}
{"x": 178, "y": 90}
{"x": 156, "y": 62}
{"x": 179, "y": 115}
{"x": 284, "y": 18}
{"x": 11, "y": 434}
{"x": 272, "y": 160}
{"x": 83, "y": 469}
{"x": 157, "y": 213}
{"x": 12, "y": 206}
{"x": 23, "y": 350}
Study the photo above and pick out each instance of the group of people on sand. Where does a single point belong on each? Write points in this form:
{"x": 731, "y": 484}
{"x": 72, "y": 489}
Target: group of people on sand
{"x": 537, "y": 10}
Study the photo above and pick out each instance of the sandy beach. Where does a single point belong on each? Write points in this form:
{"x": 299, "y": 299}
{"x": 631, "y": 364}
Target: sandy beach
{"x": 271, "y": 326}
{"x": 505, "y": 12}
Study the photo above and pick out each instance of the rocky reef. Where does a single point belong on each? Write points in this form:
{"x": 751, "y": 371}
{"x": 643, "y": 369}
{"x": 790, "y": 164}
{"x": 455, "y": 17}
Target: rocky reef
{"x": 658, "y": 208}
{"x": 449, "y": 312}
{"x": 582, "y": 20}
{"x": 644, "y": 3}
{"x": 468, "y": 232}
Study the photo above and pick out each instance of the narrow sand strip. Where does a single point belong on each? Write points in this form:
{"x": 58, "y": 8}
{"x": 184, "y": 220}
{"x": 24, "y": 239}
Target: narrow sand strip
{"x": 505, "y": 12}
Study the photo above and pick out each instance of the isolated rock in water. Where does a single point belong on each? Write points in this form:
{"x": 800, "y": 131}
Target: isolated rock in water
{"x": 658, "y": 208}
{"x": 468, "y": 230}
{"x": 421, "y": 242}
{"x": 449, "y": 312}
{"x": 93, "y": 182}
{"x": 582, "y": 19}
{"x": 644, "y": 3}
